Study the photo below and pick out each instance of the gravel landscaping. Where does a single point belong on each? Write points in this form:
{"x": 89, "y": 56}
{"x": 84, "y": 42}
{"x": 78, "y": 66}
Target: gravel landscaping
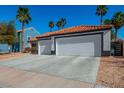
{"x": 111, "y": 72}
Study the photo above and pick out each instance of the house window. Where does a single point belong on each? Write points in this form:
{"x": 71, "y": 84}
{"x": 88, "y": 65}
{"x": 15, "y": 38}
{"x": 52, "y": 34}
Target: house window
{"x": 29, "y": 38}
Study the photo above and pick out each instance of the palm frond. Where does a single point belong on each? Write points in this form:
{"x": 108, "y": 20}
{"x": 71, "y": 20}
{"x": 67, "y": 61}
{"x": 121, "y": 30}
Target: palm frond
{"x": 23, "y": 15}
{"x": 101, "y": 10}
{"x": 26, "y": 21}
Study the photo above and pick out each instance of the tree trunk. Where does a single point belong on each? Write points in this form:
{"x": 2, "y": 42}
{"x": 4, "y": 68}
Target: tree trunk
{"x": 62, "y": 27}
{"x": 50, "y": 29}
{"x": 22, "y": 36}
{"x": 116, "y": 34}
{"x": 101, "y": 20}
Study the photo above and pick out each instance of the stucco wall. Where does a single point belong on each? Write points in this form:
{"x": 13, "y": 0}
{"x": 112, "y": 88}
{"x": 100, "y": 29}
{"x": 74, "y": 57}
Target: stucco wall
{"x": 107, "y": 41}
{"x": 52, "y": 43}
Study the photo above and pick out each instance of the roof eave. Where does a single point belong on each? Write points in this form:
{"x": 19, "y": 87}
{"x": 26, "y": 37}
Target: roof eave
{"x": 38, "y": 37}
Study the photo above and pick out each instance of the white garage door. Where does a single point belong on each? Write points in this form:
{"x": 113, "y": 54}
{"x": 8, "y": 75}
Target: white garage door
{"x": 88, "y": 45}
{"x": 44, "y": 47}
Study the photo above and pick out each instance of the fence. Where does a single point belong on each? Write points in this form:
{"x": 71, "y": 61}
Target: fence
{"x": 4, "y": 48}
{"x": 118, "y": 48}
{"x": 123, "y": 48}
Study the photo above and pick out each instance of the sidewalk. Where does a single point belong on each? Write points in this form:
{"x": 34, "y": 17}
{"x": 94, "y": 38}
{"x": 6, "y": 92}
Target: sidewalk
{"x": 4, "y": 57}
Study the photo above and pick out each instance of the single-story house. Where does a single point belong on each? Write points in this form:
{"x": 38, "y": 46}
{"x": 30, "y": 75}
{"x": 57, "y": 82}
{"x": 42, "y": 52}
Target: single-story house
{"x": 76, "y": 41}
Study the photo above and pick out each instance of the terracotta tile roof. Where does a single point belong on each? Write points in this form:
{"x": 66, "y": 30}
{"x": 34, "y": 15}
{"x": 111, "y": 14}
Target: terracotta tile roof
{"x": 75, "y": 29}
{"x": 33, "y": 39}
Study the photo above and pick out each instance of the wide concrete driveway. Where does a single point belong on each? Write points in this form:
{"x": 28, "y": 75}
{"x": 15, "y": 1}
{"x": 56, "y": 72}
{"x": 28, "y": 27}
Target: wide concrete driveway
{"x": 76, "y": 68}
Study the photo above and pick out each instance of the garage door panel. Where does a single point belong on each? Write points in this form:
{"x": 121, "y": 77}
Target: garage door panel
{"x": 45, "y": 47}
{"x": 89, "y": 45}
{"x": 77, "y": 49}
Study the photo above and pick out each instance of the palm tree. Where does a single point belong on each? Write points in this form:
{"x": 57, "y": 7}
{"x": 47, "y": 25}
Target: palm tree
{"x": 118, "y": 22}
{"x": 63, "y": 22}
{"x": 101, "y": 11}
{"x": 24, "y": 17}
{"x": 108, "y": 22}
{"x": 59, "y": 24}
{"x": 51, "y": 25}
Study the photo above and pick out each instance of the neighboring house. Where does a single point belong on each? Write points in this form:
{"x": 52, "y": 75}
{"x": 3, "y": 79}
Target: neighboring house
{"x": 77, "y": 40}
{"x": 29, "y": 33}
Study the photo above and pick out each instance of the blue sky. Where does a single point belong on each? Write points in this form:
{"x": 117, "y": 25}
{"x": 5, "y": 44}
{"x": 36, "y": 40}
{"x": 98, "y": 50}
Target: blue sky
{"x": 75, "y": 15}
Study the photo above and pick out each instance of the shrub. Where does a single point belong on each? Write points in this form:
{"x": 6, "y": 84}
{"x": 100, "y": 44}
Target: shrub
{"x": 27, "y": 50}
{"x": 34, "y": 50}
